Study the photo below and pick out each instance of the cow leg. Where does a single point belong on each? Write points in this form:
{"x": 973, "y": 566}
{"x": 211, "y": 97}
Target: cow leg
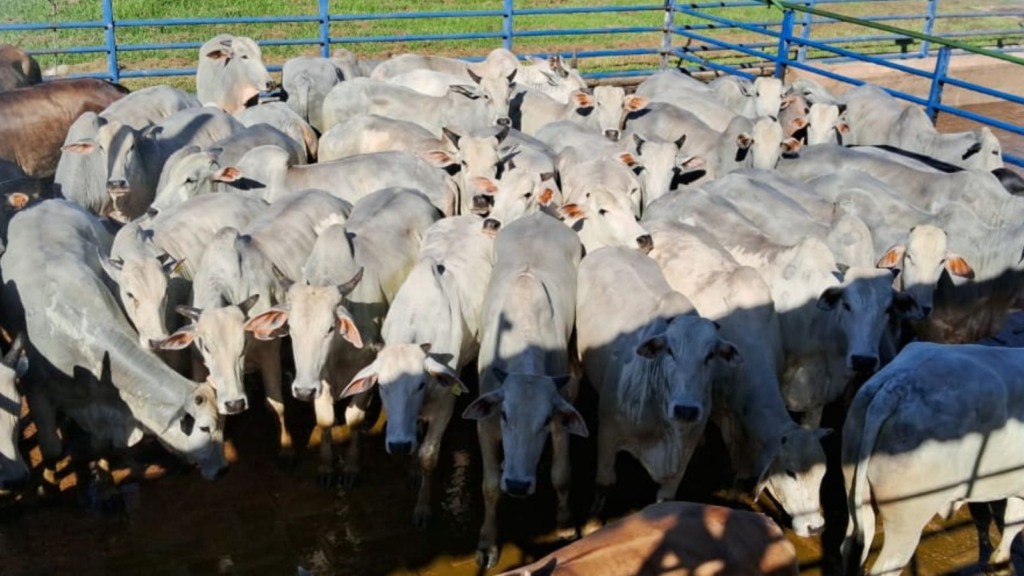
{"x": 902, "y": 524}
{"x": 323, "y": 405}
{"x": 487, "y": 552}
{"x": 605, "y": 478}
{"x": 981, "y": 515}
{"x": 355, "y": 417}
{"x": 270, "y": 372}
{"x": 811, "y": 418}
{"x": 561, "y": 474}
{"x": 428, "y": 454}
{"x": 1013, "y": 522}
{"x": 45, "y": 418}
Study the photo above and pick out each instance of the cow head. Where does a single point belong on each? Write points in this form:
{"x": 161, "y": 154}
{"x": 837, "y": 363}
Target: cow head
{"x": 219, "y": 335}
{"x": 863, "y": 307}
{"x": 13, "y": 470}
{"x": 142, "y": 284}
{"x": 603, "y": 218}
{"x": 496, "y": 93}
{"x": 317, "y": 319}
{"x": 194, "y": 174}
{"x": 767, "y": 96}
{"x": 199, "y": 435}
{"x": 231, "y": 73}
{"x": 517, "y": 195}
{"x": 406, "y": 375}
{"x": 529, "y": 405}
{"x": 920, "y": 262}
{"x": 792, "y": 467}
{"x": 663, "y": 166}
{"x": 824, "y": 125}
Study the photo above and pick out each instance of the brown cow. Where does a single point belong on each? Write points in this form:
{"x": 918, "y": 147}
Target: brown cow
{"x": 17, "y": 68}
{"x": 34, "y": 120}
{"x": 675, "y": 539}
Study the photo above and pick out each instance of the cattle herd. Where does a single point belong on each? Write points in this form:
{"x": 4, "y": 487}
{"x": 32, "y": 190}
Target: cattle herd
{"x": 738, "y": 252}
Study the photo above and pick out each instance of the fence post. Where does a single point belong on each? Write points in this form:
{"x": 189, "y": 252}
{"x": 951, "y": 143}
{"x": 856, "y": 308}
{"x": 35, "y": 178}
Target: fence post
{"x": 507, "y": 27}
{"x": 938, "y": 81}
{"x": 111, "y": 40}
{"x": 669, "y": 29}
{"x": 929, "y": 26}
{"x": 325, "y": 28}
{"x": 785, "y": 36}
{"x": 805, "y": 32}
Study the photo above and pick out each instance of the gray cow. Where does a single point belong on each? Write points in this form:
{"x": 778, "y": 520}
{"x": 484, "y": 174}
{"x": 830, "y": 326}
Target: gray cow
{"x": 86, "y": 363}
{"x": 334, "y": 314}
{"x": 652, "y": 364}
{"x": 307, "y": 81}
{"x": 431, "y": 332}
{"x": 528, "y": 315}
{"x": 13, "y": 470}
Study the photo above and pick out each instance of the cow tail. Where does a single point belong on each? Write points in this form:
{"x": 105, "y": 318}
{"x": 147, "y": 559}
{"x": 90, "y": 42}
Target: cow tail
{"x": 882, "y": 406}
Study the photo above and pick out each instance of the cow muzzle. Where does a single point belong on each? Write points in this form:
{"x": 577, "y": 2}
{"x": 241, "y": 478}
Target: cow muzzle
{"x": 235, "y": 406}
{"x": 399, "y": 448}
{"x": 504, "y": 121}
{"x": 482, "y": 204}
{"x": 518, "y": 488}
{"x": 304, "y": 393}
{"x": 808, "y": 525}
{"x": 613, "y": 134}
{"x": 686, "y": 412}
{"x": 117, "y": 187}
{"x": 645, "y": 243}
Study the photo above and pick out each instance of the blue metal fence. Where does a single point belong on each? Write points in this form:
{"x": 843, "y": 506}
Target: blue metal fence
{"x": 697, "y": 35}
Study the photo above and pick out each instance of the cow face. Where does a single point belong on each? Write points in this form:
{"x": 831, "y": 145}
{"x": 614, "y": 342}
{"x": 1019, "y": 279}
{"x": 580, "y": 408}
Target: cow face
{"x": 219, "y": 335}
{"x": 529, "y": 406}
{"x": 680, "y": 361}
{"x": 240, "y": 74}
{"x": 611, "y": 106}
{"x": 824, "y": 125}
{"x": 408, "y": 379}
{"x": 605, "y": 219}
{"x": 863, "y": 307}
{"x": 662, "y": 166}
{"x": 142, "y": 285}
{"x": 199, "y": 435}
{"x": 13, "y": 470}
{"x": 517, "y": 195}
{"x": 767, "y": 144}
{"x": 496, "y": 92}
{"x": 921, "y": 261}
{"x": 317, "y": 319}
{"x": 191, "y": 176}
{"x": 767, "y": 96}
{"x": 792, "y": 468}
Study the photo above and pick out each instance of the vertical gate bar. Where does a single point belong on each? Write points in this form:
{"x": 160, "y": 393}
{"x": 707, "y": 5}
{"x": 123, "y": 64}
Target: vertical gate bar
{"x": 325, "y": 28}
{"x": 111, "y": 40}
{"x": 785, "y": 37}
{"x": 668, "y": 28}
{"x": 929, "y": 26}
{"x": 507, "y": 28}
{"x": 805, "y": 32}
{"x": 938, "y": 81}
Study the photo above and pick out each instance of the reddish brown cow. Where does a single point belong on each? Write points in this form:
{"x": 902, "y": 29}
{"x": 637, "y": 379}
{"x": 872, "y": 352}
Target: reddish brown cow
{"x": 17, "y": 68}
{"x": 675, "y": 539}
{"x": 34, "y": 120}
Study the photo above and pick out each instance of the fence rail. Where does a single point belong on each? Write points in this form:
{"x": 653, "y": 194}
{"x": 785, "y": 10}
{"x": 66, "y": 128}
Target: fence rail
{"x": 719, "y": 36}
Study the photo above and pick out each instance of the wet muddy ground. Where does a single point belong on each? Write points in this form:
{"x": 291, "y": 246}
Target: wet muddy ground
{"x": 265, "y": 519}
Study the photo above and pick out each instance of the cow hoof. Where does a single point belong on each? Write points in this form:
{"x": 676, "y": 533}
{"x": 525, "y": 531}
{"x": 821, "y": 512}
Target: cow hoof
{"x": 487, "y": 558}
{"x": 348, "y": 479}
{"x": 422, "y": 519}
{"x": 326, "y": 480}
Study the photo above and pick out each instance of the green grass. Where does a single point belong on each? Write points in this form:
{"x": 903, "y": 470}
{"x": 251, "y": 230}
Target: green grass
{"x": 46, "y": 11}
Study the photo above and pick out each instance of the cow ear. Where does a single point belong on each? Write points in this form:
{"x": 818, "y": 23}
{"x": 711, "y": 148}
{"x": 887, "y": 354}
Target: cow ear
{"x": 444, "y": 375}
{"x": 474, "y": 76}
{"x": 744, "y": 141}
{"x": 171, "y": 266}
{"x": 219, "y": 54}
{"x": 189, "y": 312}
{"x": 81, "y": 147}
{"x": 485, "y": 406}
{"x": 570, "y": 418}
{"x": 227, "y": 174}
{"x": 790, "y": 148}
{"x": 441, "y": 159}
{"x": 628, "y": 159}
{"x": 892, "y": 257}
{"x": 906, "y": 307}
{"x": 795, "y": 125}
{"x": 268, "y": 325}
{"x": 692, "y": 162}
{"x": 842, "y": 127}
{"x": 652, "y": 347}
{"x": 632, "y": 103}
{"x": 466, "y": 90}
{"x": 177, "y": 341}
{"x": 582, "y": 99}
{"x": 830, "y": 298}
{"x": 451, "y": 136}
{"x": 17, "y": 200}
{"x": 347, "y": 327}
{"x": 546, "y": 196}
{"x": 728, "y": 353}
{"x": 363, "y": 381}
{"x": 571, "y": 213}
{"x": 787, "y": 101}
{"x": 957, "y": 266}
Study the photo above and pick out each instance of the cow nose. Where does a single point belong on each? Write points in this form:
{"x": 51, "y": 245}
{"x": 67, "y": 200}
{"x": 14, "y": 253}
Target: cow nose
{"x": 482, "y": 203}
{"x": 612, "y": 134}
{"x": 864, "y": 364}
{"x": 303, "y": 394}
{"x": 518, "y": 488}
{"x": 504, "y": 121}
{"x": 491, "y": 226}
{"x": 926, "y": 310}
{"x": 645, "y": 243}
{"x": 686, "y": 413}
{"x": 816, "y": 530}
{"x": 235, "y": 406}
{"x": 399, "y": 447}
{"x": 117, "y": 184}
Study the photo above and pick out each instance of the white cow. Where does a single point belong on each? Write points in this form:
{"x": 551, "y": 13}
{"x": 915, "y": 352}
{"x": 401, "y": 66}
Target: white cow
{"x": 430, "y": 333}
{"x": 231, "y": 73}
{"x": 939, "y": 426}
{"x": 13, "y": 470}
{"x": 527, "y": 318}
{"x": 652, "y": 363}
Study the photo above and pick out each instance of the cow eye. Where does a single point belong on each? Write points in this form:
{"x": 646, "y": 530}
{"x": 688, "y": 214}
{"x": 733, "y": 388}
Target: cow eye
{"x": 908, "y": 257}
{"x": 191, "y": 180}
{"x": 130, "y": 295}
{"x": 791, "y": 474}
{"x": 846, "y": 306}
{"x": 205, "y": 429}
{"x": 330, "y": 329}
{"x": 423, "y": 385}
{"x": 602, "y": 211}
{"x": 199, "y": 400}
{"x": 528, "y": 195}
